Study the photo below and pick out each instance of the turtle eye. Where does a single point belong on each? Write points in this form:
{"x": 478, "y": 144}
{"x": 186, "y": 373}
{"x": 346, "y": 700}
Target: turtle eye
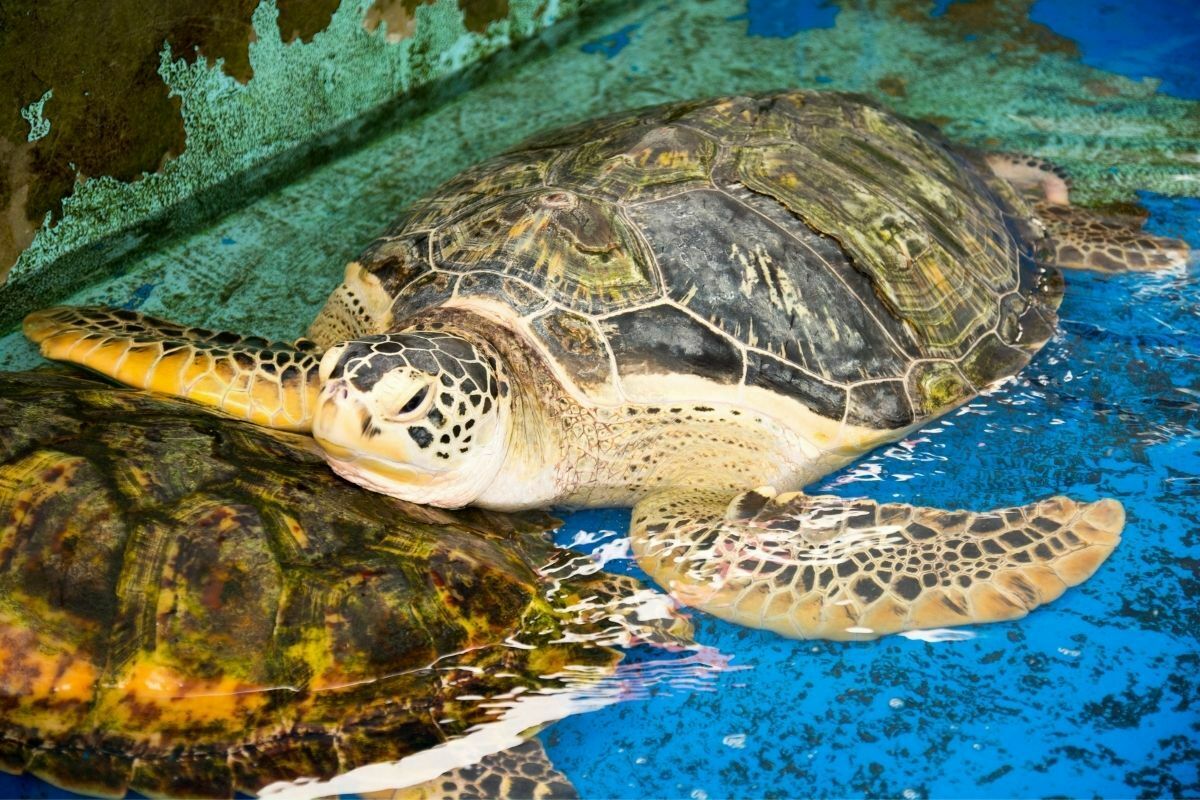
{"x": 415, "y": 404}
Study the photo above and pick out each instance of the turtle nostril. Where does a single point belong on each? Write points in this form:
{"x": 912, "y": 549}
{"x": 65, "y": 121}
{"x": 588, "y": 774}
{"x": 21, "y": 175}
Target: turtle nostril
{"x": 337, "y": 389}
{"x": 326, "y": 416}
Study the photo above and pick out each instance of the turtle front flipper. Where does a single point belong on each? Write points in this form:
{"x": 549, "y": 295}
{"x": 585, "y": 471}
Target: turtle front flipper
{"x": 827, "y": 567}
{"x": 1083, "y": 239}
{"x": 274, "y": 384}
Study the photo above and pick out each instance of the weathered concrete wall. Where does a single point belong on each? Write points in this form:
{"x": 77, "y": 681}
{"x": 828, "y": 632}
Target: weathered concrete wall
{"x": 119, "y": 124}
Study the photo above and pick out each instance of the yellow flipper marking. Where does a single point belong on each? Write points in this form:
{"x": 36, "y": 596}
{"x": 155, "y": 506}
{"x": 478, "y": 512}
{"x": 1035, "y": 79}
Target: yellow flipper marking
{"x": 269, "y": 383}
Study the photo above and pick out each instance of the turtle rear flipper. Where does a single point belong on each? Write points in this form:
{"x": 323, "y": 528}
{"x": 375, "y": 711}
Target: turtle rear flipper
{"x": 1032, "y": 176}
{"x": 1080, "y": 238}
{"x": 274, "y": 384}
{"x": 1083, "y": 239}
{"x": 523, "y": 772}
{"x": 831, "y": 568}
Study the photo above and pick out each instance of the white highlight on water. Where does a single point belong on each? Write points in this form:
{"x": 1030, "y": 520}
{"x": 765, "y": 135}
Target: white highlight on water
{"x": 587, "y": 689}
{"x": 940, "y": 635}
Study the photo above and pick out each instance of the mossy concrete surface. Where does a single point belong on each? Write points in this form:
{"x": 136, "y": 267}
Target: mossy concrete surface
{"x": 980, "y": 69}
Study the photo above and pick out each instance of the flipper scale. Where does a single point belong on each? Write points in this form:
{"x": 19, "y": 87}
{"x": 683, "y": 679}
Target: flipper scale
{"x": 523, "y": 772}
{"x": 274, "y": 384}
{"x": 1080, "y": 238}
{"x": 1083, "y": 239}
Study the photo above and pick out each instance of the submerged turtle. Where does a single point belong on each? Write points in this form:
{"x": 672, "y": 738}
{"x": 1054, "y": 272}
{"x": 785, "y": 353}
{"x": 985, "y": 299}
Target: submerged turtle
{"x": 695, "y": 309}
{"x": 191, "y": 605}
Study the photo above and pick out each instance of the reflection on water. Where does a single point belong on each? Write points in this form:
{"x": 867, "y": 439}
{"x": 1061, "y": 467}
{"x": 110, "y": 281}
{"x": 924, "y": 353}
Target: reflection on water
{"x": 579, "y": 690}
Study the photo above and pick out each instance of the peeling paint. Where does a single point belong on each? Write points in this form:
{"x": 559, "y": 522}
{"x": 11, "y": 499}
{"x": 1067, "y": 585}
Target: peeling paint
{"x": 112, "y": 113}
{"x": 396, "y": 17}
{"x": 303, "y": 19}
{"x": 784, "y": 18}
{"x": 611, "y": 44}
{"x": 34, "y": 114}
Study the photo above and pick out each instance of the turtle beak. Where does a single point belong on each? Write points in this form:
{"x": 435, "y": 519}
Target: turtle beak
{"x": 344, "y": 427}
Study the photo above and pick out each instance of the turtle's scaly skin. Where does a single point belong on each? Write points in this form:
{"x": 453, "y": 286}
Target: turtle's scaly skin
{"x": 518, "y": 773}
{"x": 269, "y": 383}
{"x": 190, "y": 605}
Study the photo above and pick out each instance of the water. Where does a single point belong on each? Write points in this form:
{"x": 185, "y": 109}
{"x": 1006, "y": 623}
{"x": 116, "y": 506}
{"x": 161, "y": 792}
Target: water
{"x": 1095, "y": 694}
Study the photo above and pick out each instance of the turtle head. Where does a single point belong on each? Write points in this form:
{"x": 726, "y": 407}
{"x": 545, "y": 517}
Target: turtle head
{"x": 422, "y": 416}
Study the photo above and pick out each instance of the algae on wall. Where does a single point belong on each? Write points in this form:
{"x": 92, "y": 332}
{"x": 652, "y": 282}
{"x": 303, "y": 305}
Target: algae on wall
{"x": 113, "y": 114}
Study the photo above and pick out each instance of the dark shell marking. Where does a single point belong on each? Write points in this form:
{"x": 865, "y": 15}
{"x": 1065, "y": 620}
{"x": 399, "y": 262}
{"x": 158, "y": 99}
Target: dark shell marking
{"x": 808, "y": 243}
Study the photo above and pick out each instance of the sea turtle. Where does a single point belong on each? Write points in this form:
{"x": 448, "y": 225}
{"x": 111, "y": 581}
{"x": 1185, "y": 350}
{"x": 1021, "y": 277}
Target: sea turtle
{"x": 695, "y": 309}
{"x": 191, "y": 605}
